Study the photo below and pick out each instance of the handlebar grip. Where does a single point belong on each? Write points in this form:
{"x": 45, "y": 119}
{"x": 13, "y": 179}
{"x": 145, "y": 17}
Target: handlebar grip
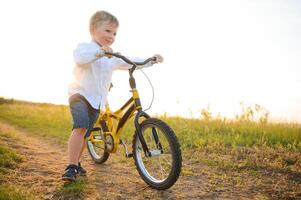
{"x": 102, "y": 54}
{"x": 108, "y": 54}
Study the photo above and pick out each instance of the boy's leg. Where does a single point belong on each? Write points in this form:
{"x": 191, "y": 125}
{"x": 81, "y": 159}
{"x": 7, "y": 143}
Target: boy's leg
{"x": 82, "y": 149}
{"x": 75, "y": 145}
{"x": 81, "y": 170}
{"x": 74, "y": 148}
{"x": 80, "y": 111}
{"x": 93, "y": 115}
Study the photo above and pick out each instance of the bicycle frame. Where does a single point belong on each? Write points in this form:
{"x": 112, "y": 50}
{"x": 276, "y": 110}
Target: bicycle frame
{"x": 122, "y": 115}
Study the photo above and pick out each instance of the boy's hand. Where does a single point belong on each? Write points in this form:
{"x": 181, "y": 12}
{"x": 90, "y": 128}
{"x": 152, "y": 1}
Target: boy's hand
{"x": 158, "y": 59}
{"x": 107, "y": 49}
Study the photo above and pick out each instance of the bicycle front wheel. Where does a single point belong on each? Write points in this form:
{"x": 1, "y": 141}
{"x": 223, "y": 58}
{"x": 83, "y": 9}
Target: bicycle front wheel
{"x": 162, "y": 169}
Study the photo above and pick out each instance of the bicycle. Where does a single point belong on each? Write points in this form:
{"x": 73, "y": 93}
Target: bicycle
{"x": 155, "y": 148}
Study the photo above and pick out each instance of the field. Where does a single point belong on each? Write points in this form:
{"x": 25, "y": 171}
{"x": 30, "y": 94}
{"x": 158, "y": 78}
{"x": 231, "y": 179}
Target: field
{"x": 222, "y": 158}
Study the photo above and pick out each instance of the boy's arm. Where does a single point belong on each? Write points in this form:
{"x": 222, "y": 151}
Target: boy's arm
{"x": 86, "y": 53}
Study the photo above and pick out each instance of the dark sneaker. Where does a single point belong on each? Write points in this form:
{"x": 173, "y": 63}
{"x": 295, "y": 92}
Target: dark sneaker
{"x": 81, "y": 170}
{"x": 70, "y": 173}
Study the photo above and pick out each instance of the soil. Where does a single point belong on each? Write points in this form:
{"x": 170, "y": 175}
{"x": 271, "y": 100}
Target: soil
{"x": 45, "y": 161}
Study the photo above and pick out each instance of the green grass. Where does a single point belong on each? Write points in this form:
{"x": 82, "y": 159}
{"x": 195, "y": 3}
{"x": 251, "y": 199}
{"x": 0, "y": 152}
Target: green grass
{"x": 9, "y": 160}
{"x": 55, "y": 121}
{"x": 196, "y": 133}
{"x": 15, "y": 193}
{"x": 40, "y": 119}
{"x": 72, "y": 190}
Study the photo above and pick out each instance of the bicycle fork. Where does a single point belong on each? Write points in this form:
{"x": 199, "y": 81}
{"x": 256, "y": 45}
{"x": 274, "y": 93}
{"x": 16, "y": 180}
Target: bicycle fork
{"x": 145, "y": 148}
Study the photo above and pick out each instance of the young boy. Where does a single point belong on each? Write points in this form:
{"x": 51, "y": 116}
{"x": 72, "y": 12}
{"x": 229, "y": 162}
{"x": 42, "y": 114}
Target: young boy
{"x": 92, "y": 79}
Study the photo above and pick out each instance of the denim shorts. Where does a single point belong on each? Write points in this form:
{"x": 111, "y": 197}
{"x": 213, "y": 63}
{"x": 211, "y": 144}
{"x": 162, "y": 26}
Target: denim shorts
{"x": 83, "y": 114}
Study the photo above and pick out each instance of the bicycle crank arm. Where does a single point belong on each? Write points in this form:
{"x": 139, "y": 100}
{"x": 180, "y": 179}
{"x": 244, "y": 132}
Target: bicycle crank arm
{"x": 127, "y": 154}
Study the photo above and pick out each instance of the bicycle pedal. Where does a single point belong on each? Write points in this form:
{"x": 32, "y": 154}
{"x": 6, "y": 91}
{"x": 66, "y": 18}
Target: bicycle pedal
{"x": 130, "y": 155}
{"x": 96, "y": 129}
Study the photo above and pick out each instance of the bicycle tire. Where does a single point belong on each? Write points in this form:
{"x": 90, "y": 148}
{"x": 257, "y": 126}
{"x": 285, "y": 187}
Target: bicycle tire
{"x": 171, "y": 142}
{"x": 98, "y": 156}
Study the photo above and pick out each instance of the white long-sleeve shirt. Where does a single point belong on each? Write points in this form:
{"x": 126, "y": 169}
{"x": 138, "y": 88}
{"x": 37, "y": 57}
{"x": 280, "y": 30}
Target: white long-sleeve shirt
{"x": 92, "y": 76}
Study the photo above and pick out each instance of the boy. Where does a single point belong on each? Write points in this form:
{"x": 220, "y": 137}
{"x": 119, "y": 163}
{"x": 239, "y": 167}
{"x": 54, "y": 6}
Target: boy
{"x": 92, "y": 79}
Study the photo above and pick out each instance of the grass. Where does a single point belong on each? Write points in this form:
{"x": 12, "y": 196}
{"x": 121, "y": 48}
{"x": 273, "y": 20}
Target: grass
{"x": 233, "y": 148}
{"x": 15, "y": 193}
{"x": 9, "y": 160}
{"x": 55, "y": 121}
{"x": 38, "y": 118}
{"x": 72, "y": 190}
{"x": 195, "y": 133}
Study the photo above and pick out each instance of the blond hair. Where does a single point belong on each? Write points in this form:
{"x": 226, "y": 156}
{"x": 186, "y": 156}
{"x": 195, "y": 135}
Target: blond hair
{"x": 101, "y": 16}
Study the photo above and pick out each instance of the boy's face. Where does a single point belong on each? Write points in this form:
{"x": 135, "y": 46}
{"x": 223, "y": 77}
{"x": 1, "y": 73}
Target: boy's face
{"x": 104, "y": 34}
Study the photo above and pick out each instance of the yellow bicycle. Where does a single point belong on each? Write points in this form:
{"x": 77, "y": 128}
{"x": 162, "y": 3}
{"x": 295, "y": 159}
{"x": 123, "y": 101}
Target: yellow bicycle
{"x": 155, "y": 147}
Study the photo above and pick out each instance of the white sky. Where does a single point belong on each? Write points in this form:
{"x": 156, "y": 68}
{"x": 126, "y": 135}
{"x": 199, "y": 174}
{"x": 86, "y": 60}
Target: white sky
{"x": 217, "y": 53}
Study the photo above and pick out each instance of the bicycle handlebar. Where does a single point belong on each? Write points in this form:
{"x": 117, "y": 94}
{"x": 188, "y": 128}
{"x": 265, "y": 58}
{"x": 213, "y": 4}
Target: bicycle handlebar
{"x": 125, "y": 59}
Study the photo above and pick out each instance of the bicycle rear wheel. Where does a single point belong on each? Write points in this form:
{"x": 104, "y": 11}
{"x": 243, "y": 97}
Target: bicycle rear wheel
{"x": 163, "y": 168}
{"x": 96, "y": 147}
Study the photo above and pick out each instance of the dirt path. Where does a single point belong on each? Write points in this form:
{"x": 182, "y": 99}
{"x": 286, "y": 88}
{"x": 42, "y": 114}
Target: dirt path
{"x": 117, "y": 178}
